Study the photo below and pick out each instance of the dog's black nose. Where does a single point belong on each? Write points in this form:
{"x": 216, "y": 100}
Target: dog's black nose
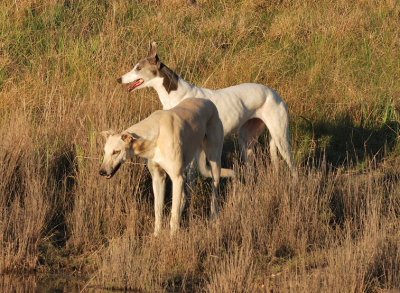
{"x": 102, "y": 172}
{"x": 119, "y": 80}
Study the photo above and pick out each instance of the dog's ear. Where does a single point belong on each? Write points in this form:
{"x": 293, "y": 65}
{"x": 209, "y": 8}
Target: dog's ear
{"x": 152, "y": 56}
{"x": 107, "y": 133}
{"x": 127, "y": 138}
{"x": 152, "y": 50}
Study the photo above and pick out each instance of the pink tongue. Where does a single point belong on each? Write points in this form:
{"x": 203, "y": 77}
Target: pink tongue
{"x": 134, "y": 84}
{"x": 130, "y": 87}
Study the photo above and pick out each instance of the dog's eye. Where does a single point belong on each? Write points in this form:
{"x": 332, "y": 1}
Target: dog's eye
{"x": 115, "y": 152}
{"x": 138, "y": 68}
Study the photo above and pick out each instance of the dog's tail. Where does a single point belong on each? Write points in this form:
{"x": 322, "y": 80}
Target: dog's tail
{"x": 205, "y": 170}
{"x": 225, "y": 172}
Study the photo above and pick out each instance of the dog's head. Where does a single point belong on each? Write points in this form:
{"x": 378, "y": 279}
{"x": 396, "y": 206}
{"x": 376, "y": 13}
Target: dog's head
{"x": 118, "y": 148}
{"x": 143, "y": 72}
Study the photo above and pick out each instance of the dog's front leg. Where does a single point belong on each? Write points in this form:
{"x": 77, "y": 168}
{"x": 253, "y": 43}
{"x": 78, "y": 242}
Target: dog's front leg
{"x": 158, "y": 180}
{"x": 178, "y": 202}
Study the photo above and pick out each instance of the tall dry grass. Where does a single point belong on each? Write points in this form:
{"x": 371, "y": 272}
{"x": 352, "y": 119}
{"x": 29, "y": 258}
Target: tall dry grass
{"x": 335, "y": 63}
{"x": 333, "y": 232}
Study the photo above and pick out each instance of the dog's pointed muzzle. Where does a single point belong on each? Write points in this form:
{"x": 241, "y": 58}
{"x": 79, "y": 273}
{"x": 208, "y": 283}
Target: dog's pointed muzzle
{"x": 103, "y": 172}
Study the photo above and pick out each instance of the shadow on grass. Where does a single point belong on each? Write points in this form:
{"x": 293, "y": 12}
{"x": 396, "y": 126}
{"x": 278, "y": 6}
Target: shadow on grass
{"x": 63, "y": 169}
{"x": 342, "y": 143}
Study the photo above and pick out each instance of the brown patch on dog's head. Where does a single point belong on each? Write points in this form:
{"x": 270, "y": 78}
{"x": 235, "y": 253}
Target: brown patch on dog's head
{"x": 139, "y": 145}
{"x": 170, "y": 78}
{"x": 127, "y": 137}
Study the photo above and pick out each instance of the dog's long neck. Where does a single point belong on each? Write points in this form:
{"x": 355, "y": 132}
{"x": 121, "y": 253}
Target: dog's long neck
{"x": 146, "y": 133}
{"x": 172, "y": 88}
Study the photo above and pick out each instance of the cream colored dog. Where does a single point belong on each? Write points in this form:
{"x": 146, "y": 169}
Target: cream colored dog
{"x": 169, "y": 140}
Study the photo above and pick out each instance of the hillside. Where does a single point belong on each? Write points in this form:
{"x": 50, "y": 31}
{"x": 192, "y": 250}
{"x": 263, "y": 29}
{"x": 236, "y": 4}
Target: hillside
{"x": 336, "y": 64}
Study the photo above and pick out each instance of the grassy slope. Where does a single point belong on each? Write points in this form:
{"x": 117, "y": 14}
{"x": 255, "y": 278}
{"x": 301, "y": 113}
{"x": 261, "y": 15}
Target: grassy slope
{"x": 335, "y": 63}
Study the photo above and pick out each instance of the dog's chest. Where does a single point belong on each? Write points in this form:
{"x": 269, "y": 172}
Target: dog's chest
{"x": 157, "y": 158}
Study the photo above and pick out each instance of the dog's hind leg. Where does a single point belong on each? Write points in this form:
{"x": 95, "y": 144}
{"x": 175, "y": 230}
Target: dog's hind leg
{"x": 191, "y": 172}
{"x": 212, "y": 148}
{"x": 178, "y": 201}
{"x": 277, "y": 121}
{"x": 158, "y": 180}
{"x": 273, "y": 150}
{"x": 248, "y": 135}
{"x": 213, "y": 153}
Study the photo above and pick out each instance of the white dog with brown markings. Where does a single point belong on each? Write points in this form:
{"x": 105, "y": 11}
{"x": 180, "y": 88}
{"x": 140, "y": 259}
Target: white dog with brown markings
{"x": 169, "y": 140}
{"x": 247, "y": 107}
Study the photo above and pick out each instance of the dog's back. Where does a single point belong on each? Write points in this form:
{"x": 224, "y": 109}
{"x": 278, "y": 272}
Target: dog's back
{"x": 201, "y": 116}
{"x": 194, "y": 122}
{"x": 190, "y": 109}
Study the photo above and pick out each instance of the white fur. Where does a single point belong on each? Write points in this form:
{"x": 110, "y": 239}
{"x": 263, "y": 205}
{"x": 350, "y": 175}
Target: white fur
{"x": 237, "y": 107}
